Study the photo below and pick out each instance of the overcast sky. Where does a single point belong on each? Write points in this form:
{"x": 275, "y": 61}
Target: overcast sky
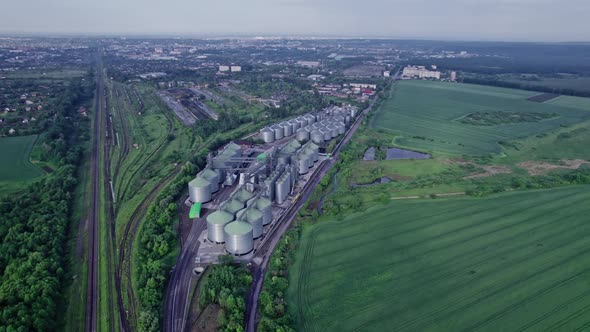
{"x": 526, "y": 20}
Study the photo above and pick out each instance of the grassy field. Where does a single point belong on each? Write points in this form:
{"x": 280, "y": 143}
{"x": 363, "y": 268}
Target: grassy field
{"x": 516, "y": 261}
{"x": 426, "y": 116}
{"x": 574, "y": 83}
{"x": 15, "y": 168}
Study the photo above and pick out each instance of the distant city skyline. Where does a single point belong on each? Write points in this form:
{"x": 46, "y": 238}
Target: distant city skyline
{"x": 486, "y": 20}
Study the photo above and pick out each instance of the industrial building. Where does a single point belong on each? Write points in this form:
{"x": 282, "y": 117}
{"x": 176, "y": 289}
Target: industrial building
{"x": 263, "y": 176}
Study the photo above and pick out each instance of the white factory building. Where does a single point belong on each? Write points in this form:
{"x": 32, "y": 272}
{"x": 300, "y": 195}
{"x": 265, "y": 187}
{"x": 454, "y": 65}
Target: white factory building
{"x": 420, "y": 72}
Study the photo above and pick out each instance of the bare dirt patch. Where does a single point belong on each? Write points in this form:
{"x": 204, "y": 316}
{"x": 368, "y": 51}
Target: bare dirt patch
{"x": 489, "y": 170}
{"x": 541, "y": 167}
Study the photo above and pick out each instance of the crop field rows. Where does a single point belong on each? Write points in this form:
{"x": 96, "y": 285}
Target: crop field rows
{"x": 513, "y": 262}
{"x": 15, "y": 167}
{"x": 432, "y": 123}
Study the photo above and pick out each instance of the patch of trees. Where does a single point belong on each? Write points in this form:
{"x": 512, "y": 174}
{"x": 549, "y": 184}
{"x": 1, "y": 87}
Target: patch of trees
{"x": 493, "y": 118}
{"x": 157, "y": 245}
{"x": 526, "y": 86}
{"x": 227, "y": 285}
{"x": 272, "y": 303}
{"x": 35, "y": 224}
{"x": 498, "y": 184}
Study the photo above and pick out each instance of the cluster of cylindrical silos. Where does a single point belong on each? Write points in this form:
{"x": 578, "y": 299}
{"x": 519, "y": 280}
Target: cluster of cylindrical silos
{"x": 203, "y": 186}
{"x": 239, "y": 221}
{"x": 283, "y": 186}
{"x": 306, "y": 157}
{"x": 318, "y": 127}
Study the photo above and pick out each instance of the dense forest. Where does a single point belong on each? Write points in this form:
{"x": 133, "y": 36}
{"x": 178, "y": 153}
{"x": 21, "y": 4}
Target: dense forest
{"x": 35, "y": 223}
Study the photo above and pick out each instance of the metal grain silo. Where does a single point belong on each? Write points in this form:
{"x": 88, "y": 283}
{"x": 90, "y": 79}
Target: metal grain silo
{"x": 279, "y": 132}
{"x": 309, "y": 118}
{"x": 267, "y": 135}
{"x": 239, "y": 239}
{"x": 341, "y": 127}
{"x": 347, "y": 119}
{"x": 265, "y": 206}
{"x": 287, "y": 129}
{"x": 213, "y": 178}
{"x": 254, "y": 218}
{"x": 243, "y": 195}
{"x": 327, "y": 134}
{"x": 199, "y": 190}
{"x": 317, "y": 137}
{"x": 302, "y": 135}
{"x": 302, "y": 122}
{"x": 233, "y": 206}
{"x": 294, "y": 124}
{"x": 216, "y": 222}
{"x": 282, "y": 188}
{"x": 303, "y": 164}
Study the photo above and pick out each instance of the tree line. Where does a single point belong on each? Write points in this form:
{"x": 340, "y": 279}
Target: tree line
{"x": 35, "y": 224}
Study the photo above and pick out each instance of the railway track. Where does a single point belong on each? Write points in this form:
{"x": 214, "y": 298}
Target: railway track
{"x": 130, "y": 231}
{"x": 92, "y": 282}
{"x": 109, "y": 202}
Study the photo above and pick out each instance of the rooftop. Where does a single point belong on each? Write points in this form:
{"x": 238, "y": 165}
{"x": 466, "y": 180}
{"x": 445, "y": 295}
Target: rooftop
{"x": 238, "y": 228}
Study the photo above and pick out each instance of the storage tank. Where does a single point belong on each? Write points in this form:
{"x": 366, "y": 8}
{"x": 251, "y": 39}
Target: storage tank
{"x": 309, "y": 118}
{"x": 243, "y": 195}
{"x": 327, "y": 134}
{"x": 353, "y": 112}
{"x": 267, "y": 135}
{"x": 317, "y": 137}
{"x": 341, "y": 127}
{"x": 303, "y": 164}
{"x": 199, "y": 190}
{"x": 302, "y": 135}
{"x": 279, "y": 132}
{"x": 212, "y": 177}
{"x": 233, "y": 206}
{"x": 216, "y": 222}
{"x": 282, "y": 189}
{"x": 347, "y": 119}
{"x": 294, "y": 124}
{"x": 302, "y": 122}
{"x": 265, "y": 207}
{"x": 239, "y": 239}
{"x": 287, "y": 129}
{"x": 254, "y": 218}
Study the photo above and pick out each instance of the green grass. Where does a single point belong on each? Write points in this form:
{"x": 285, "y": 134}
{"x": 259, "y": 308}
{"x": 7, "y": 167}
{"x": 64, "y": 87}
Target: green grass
{"x": 513, "y": 261}
{"x": 426, "y": 116}
{"x": 16, "y": 170}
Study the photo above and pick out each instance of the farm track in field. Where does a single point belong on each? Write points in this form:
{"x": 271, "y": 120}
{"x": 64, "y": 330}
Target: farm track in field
{"x": 534, "y": 249}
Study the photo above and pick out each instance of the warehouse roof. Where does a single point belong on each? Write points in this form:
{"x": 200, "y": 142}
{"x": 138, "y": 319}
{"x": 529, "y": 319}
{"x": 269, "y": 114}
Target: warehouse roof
{"x": 238, "y": 228}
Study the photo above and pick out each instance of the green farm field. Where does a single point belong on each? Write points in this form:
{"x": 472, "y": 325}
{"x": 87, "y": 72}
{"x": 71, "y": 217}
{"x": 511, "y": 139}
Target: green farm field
{"x": 511, "y": 262}
{"x": 426, "y": 116}
{"x": 15, "y": 168}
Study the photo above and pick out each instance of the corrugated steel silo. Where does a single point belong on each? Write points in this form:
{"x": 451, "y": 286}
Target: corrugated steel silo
{"x": 199, "y": 190}
{"x": 317, "y": 137}
{"x": 267, "y": 135}
{"x": 254, "y": 217}
{"x": 327, "y": 134}
{"x": 216, "y": 222}
{"x": 265, "y": 206}
{"x": 287, "y": 129}
{"x": 279, "y": 132}
{"x": 239, "y": 239}
{"x": 303, "y": 164}
{"x": 212, "y": 177}
{"x": 341, "y": 128}
{"x": 302, "y": 135}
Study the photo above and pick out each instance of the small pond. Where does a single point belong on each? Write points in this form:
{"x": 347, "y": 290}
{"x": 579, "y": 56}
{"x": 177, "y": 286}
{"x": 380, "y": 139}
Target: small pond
{"x": 397, "y": 153}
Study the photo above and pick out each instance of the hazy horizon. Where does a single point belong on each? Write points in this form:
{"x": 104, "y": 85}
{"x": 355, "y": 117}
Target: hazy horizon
{"x": 453, "y": 20}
